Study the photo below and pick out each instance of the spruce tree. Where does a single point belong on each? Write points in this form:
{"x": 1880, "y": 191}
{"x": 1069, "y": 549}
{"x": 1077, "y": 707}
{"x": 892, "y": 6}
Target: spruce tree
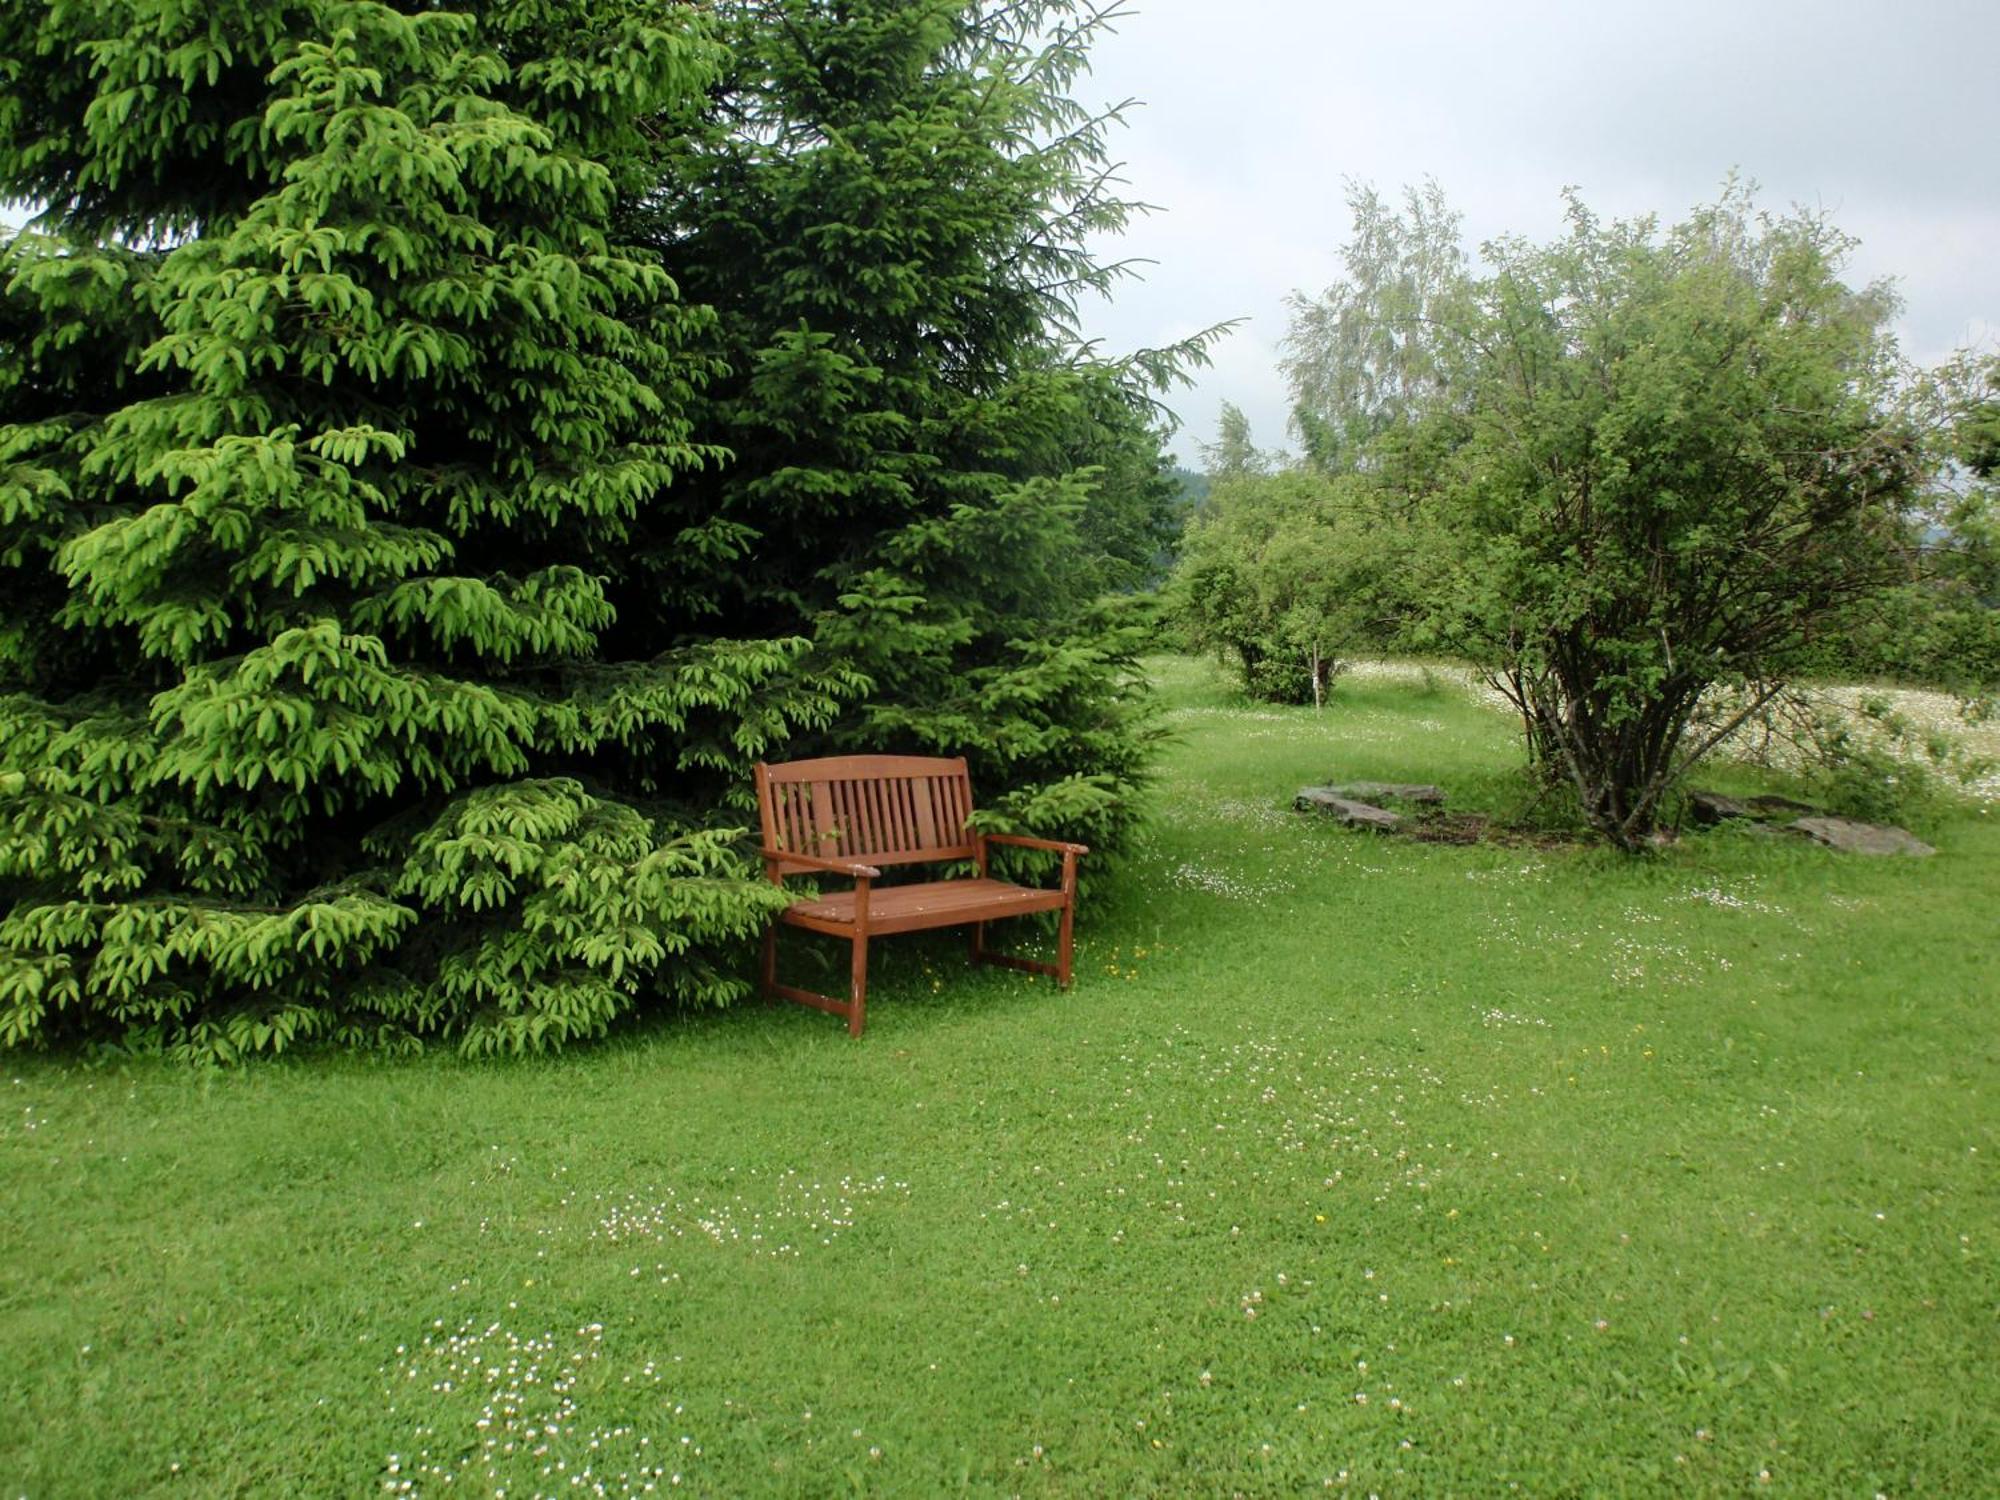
{"x": 439, "y": 452}
{"x": 934, "y": 477}
{"x": 329, "y": 392}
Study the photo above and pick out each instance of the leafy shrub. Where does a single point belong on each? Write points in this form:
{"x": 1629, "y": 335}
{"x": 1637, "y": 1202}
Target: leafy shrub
{"x": 1288, "y": 573}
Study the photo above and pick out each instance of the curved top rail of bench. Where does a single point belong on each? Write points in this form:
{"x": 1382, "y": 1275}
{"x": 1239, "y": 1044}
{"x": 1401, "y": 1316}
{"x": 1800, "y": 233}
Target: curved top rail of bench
{"x": 863, "y": 767}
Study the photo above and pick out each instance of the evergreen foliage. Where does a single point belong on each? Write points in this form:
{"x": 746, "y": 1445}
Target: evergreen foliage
{"x": 933, "y": 480}
{"x": 440, "y": 451}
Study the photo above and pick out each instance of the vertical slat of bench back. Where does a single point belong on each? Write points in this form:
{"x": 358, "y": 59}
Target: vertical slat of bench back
{"x": 885, "y": 809}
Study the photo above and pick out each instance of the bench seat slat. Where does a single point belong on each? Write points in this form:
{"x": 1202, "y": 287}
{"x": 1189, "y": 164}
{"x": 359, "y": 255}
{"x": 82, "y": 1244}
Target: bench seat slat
{"x": 917, "y": 908}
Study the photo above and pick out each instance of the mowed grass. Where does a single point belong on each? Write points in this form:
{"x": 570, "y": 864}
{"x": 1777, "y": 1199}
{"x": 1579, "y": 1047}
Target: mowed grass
{"x": 1348, "y": 1162}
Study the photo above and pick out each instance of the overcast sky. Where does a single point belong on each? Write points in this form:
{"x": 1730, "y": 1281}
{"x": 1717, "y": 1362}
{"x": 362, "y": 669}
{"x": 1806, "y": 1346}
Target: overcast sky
{"x": 1256, "y": 110}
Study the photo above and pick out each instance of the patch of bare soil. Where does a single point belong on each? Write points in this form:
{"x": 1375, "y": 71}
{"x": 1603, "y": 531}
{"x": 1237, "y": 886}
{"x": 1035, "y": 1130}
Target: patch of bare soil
{"x": 1465, "y": 828}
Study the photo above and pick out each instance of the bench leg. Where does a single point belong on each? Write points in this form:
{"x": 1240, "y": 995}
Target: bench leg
{"x": 857, "y": 1003}
{"x": 852, "y": 1008}
{"x": 981, "y": 954}
{"x": 1065, "y": 947}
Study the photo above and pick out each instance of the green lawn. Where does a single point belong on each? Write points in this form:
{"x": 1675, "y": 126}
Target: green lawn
{"x": 1402, "y": 1168}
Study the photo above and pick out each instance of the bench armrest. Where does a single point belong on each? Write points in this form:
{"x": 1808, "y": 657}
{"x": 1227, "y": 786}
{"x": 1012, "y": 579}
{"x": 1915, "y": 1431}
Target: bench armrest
{"x": 813, "y": 861}
{"x": 1022, "y": 841}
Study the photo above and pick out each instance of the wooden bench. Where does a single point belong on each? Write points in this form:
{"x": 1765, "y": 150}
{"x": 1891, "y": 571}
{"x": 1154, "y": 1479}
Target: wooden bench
{"x": 853, "y": 815}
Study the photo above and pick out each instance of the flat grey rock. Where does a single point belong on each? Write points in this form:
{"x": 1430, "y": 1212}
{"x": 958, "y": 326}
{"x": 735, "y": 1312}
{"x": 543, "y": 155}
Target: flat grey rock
{"x": 1770, "y": 804}
{"x": 1328, "y": 800}
{"x": 1851, "y": 837}
{"x": 1719, "y": 807}
{"x": 1387, "y": 791}
{"x": 1715, "y": 807}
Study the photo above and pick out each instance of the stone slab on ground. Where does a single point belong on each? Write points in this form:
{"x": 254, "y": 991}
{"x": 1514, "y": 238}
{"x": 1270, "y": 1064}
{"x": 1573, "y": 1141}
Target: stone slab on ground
{"x": 1718, "y": 807}
{"x": 1851, "y": 837}
{"x": 1770, "y": 805}
{"x": 1328, "y": 800}
{"x": 1388, "y": 791}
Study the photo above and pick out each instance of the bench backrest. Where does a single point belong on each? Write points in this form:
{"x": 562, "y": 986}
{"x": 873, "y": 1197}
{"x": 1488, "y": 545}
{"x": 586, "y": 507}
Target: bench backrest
{"x": 883, "y": 809}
